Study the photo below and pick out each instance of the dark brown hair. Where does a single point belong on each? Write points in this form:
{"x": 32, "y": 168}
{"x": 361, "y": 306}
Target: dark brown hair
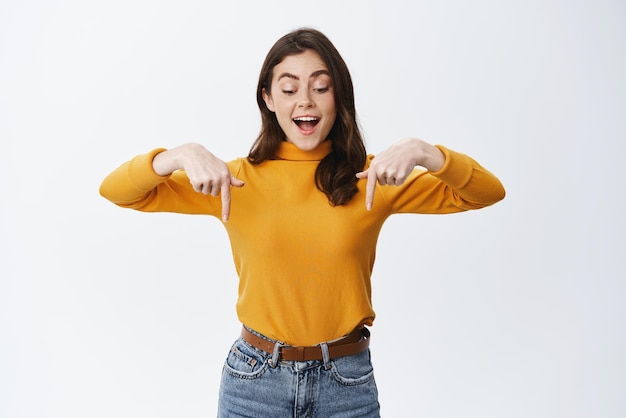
{"x": 335, "y": 174}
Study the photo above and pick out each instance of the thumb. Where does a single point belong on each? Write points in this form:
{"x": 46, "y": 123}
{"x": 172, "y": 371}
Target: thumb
{"x": 234, "y": 181}
{"x": 362, "y": 174}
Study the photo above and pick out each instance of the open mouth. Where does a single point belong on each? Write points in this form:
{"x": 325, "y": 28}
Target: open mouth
{"x": 306, "y": 123}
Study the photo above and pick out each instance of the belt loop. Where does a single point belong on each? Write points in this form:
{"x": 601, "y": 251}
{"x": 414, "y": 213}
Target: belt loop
{"x": 325, "y": 355}
{"x": 273, "y": 362}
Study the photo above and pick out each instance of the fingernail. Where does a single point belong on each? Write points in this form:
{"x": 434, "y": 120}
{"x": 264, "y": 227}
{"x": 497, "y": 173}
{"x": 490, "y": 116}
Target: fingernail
{"x": 224, "y": 218}
{"x": 368, "y": 206}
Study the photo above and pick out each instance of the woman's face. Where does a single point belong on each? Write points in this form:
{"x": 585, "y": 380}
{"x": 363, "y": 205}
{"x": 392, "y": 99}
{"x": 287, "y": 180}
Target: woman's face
{"x": 302, "y": 98}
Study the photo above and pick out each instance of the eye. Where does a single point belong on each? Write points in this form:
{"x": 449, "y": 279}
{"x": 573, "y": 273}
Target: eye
{"x": 288, "y": 92}
{"x": 321, "y": 90}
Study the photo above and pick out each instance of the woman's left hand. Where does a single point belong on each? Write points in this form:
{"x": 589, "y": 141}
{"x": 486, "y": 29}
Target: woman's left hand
{"x": 392, "y": 166}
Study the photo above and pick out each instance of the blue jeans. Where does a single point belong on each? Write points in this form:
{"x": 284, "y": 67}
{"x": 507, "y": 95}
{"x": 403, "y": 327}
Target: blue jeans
{"x": 255, "y": 386}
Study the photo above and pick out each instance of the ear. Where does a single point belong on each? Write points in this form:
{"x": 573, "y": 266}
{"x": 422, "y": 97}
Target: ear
{"x": 268, "y": 101}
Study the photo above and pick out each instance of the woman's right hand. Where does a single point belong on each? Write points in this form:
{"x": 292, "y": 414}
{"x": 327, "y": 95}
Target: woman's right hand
{"x": 207, "y": 173}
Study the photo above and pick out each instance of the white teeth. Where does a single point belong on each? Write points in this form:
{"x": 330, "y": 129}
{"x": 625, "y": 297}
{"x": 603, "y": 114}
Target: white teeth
{"x": 305, "y": 119}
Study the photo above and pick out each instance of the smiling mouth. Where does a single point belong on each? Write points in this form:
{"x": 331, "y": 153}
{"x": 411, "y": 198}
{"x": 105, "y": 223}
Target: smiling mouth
{"x": 306, "y": 123}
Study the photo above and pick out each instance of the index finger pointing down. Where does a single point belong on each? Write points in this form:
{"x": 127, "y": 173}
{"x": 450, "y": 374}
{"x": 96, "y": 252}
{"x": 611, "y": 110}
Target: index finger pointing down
{"x": 370, "y": 188}
{"x": 225, "y": 193}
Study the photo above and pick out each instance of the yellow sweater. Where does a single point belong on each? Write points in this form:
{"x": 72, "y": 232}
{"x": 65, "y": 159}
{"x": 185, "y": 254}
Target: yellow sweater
{"x": 304, "y": 266}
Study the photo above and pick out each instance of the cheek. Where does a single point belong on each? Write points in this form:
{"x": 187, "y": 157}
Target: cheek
{"x": 283, "y": 108}
{"x": 331, "y": 111}
{"x": 284, "y": 118}
{"x": 329, "y": 105}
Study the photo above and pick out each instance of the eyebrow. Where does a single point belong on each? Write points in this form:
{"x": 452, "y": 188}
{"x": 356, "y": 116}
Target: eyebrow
{"x": 313, "y": 75}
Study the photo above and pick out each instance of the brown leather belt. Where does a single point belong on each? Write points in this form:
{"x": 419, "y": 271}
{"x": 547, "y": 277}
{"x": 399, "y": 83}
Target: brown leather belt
{"x": 353, "y": 343}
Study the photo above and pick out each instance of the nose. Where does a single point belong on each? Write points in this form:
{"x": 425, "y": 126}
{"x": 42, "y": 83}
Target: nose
{"x": 305, "y": 101}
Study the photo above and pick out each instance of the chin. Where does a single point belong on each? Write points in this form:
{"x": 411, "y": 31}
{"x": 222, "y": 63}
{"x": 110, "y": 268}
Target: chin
{"x": 307, "y": 145}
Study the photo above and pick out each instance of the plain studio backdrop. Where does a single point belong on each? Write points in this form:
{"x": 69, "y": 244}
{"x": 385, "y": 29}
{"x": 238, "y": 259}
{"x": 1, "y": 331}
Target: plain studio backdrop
{"x": 513, "y": 311}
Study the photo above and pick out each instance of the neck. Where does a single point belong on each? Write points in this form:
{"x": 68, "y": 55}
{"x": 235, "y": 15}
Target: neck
{"x": 288, "y": 151}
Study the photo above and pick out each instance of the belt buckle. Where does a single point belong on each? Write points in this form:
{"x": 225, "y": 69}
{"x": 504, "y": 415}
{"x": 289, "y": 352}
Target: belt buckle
{"x": 277, "y": 354}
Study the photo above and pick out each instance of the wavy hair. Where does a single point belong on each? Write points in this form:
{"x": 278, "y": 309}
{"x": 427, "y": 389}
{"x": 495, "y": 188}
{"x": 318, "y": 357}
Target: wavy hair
{"x": 335, "y": 175}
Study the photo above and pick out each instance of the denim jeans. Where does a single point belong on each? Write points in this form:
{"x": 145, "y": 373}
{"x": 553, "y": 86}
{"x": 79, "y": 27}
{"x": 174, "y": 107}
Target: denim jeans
{"x": 255, "y": 386}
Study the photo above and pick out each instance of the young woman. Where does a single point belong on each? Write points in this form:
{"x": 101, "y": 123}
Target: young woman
{"x": 303, "y": 212}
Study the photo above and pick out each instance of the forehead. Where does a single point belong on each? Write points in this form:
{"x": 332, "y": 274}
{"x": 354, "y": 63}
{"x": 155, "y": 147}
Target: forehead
{"x": 303, "y": 65}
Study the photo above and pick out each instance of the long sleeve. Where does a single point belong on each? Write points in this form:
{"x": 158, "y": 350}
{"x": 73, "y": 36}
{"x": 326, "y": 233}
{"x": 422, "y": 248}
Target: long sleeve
{"x": 135, "y": 185}
{"x": 461, "y": 184}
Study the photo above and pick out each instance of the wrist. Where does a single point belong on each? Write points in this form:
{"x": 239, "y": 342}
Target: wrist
{"x": 165, "y": 163}
{"x": 429, "y": 156}
{"x": 436, "y": 159}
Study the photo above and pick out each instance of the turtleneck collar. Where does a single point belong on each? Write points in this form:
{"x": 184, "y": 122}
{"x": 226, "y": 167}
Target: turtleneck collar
{"x": 288, "y": 151}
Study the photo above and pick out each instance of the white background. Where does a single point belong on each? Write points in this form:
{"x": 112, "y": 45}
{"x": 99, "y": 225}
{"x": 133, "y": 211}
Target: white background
{"x": 513, "y": 311}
